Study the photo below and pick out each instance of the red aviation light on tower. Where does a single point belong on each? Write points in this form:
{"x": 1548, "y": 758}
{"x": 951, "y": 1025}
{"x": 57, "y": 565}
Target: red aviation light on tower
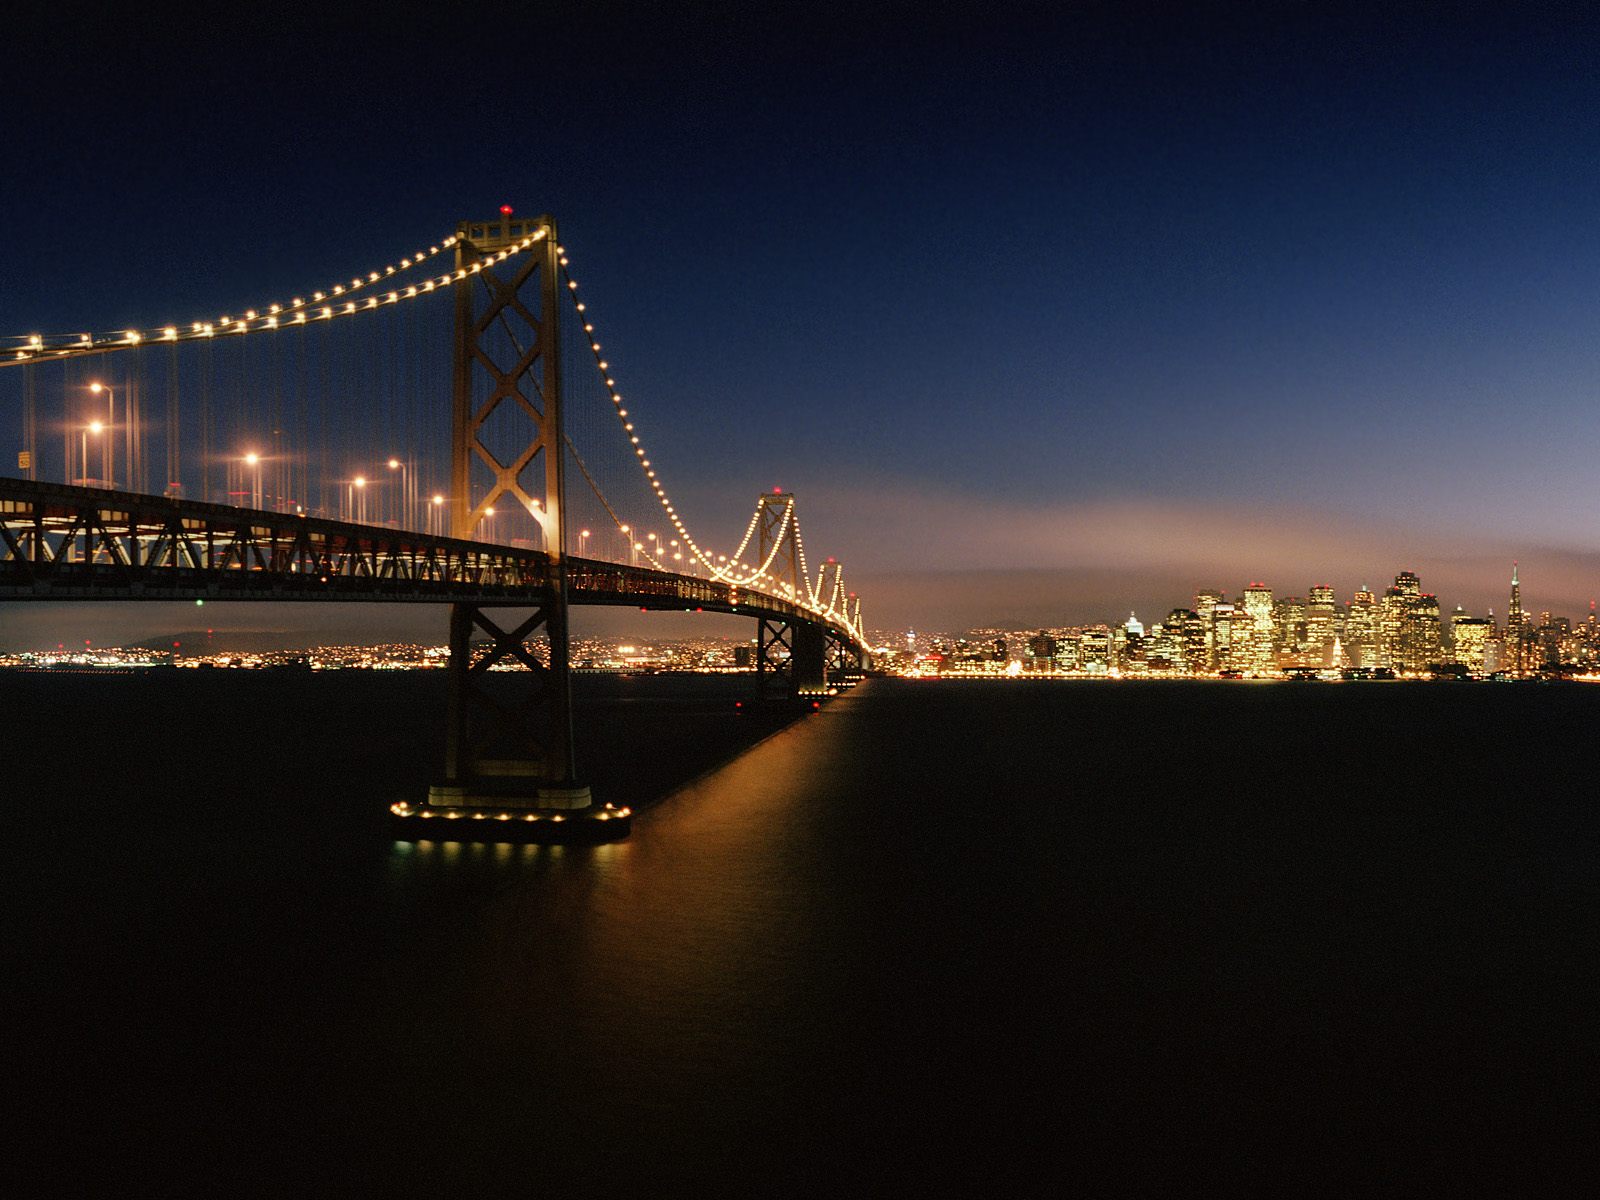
{"x": 505, "y": 210}
{"x": 776, "y": 490}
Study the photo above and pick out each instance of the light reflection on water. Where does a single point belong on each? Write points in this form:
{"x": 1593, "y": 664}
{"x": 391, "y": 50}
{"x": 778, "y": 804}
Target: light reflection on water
{"x": 926, "y": 936}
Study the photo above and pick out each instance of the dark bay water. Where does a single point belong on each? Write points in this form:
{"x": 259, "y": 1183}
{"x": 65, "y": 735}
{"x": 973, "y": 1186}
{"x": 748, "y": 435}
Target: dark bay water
{"x": 983, "y": 937}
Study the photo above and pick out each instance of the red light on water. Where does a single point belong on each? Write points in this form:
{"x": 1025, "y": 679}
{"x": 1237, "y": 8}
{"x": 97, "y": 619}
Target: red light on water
{"x": 816, "y": 705}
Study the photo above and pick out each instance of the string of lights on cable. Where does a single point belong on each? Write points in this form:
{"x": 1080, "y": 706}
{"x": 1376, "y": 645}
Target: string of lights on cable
{"x": 325, "y": 305}
{"x": 737, "y": 572}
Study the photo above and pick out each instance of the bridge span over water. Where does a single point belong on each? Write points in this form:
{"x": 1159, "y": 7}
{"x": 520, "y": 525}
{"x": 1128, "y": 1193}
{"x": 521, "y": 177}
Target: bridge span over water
{"x": 261, "y": 501}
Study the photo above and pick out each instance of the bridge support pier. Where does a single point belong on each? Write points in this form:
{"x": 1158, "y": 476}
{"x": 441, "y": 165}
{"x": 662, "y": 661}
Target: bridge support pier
{"x": 509, "y": 771}
{"x": 508, "y": 740}
{"x": 791, "y": 660}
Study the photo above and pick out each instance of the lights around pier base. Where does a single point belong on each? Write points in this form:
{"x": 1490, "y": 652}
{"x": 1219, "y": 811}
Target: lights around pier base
{"x": 483, "y": 819}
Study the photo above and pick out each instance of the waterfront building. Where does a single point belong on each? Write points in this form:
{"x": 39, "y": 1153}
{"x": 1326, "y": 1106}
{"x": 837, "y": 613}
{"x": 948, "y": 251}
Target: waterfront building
{"x": 1068, "y": 646}
{"x": 1258, "y": 605}
{"x": 1162, "y": 652}
{"x": 1361, "y": 629}
{"x": 1471, "y": 640}
{"x": 1420, "y": 637}
{"x": 1392, "y": 609}
{"x": 1241, "y": 623}
{"x": 1190, "y": 634}
{"x": 1322, "y": 624}
{"x": 1206, "y": 601}
{"x": 1288, "y": 629}
{"x": 1094, "y": 648}
{"x": 1040, "y": 652}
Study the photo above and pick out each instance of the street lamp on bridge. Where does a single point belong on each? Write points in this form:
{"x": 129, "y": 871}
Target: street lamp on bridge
{"x": 253, "y": 461}
{"x": 357, "y": 486}
{"x": 108, "y": 454}
{"x": 96, "y": 428}
{"x": 404, "y": 515}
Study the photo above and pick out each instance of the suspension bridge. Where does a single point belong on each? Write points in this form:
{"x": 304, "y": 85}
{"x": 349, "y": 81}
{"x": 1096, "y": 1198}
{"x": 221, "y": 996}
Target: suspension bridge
{"x": 297, "y": 450}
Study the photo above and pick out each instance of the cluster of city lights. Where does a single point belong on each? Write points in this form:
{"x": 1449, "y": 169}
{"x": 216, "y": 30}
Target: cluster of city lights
{"x": 319, "y": 306}
{"x": 736, "y": 572}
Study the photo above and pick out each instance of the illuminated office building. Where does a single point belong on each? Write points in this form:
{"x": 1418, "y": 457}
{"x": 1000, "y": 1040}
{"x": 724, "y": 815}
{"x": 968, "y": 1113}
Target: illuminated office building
{"x": 1392, "y": 609}
{"x": 1222, "y": 651}
{"x": 1040, "y": 653}
{"x": 1205, "y": 606}
{"x": 1192, "y": 637}
{"x": 1322, "y": 625}
{"x": 1361, "y": 629}
{"x": 1288, "y": 628}
{"x": 1470, "y": 636}
{"x": 1258, "y": 605}
{"x": 1094, "y": 650}
{"x": 1421, "y": 642}
{"x": 1068, "y": 646}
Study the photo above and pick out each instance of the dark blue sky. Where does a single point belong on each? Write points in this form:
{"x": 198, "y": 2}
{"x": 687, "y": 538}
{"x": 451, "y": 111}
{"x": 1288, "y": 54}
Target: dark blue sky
{"x": 1088, "y": 308}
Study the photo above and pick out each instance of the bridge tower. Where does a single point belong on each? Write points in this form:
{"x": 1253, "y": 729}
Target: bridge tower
{"x": 791, "y": 655}
{"x": 508, "y": 739}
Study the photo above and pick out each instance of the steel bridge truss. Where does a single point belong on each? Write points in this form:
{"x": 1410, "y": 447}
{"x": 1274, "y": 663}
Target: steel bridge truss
{"x": 67, "y": 543}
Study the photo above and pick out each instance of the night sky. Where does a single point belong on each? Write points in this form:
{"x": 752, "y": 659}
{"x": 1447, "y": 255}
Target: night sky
{"x": 1043, "y": 315}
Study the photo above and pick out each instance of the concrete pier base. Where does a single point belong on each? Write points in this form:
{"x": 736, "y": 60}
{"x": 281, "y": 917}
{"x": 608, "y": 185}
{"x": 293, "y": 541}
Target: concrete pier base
{"x": 485, "y": 812}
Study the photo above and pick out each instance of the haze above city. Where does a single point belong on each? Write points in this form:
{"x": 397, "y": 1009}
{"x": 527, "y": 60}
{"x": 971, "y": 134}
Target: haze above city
{"x": 1044, "y": 319}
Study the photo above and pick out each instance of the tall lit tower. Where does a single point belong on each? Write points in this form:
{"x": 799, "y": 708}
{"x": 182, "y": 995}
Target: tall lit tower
{"x": 1258, "y": 604}
{"x": 1361, "y": 628}
{"x": 1205, "y": 606}
{"x": 1516, "y": 625}
{"x": 1322, "y": 623}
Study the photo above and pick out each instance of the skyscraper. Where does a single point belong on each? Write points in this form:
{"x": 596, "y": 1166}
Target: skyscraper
{"x": 1420, "y": 638}
{"x": 1471, "y": 639}
{"x": 1289, "y": 627}
{"x": 1205, "y": 607}
{"x": 1361, "y": 629}
{"x": 1322, "y": 624}
{"x": 1258, "y": 603}
{"x": 1516, "y": 628}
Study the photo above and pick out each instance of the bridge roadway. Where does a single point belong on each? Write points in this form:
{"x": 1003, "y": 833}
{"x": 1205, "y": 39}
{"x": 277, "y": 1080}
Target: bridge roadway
{"x": 60, "y": 542}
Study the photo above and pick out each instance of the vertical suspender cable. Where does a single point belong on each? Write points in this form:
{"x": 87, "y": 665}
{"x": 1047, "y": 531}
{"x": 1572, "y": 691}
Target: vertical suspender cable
{"x": 205, "y": 420}
{"x": 173, "y": 462}
{"x": 30, "y": 418}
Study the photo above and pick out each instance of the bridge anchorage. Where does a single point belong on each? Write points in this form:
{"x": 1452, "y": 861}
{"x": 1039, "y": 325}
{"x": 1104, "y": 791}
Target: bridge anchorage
{"x": 286, "y": 532}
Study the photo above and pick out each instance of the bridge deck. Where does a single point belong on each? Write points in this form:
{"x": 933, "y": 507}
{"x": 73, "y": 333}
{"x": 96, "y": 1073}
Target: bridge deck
{"x": 72, "y": 543}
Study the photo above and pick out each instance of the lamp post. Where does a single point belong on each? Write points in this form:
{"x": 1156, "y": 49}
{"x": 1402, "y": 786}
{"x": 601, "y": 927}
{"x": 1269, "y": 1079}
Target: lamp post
{"x": 583, "y": 543}
{"x": 436, "y": 514}
{"x": 96, "y": 428}
{"x": 403, "y": 516}
{"x": 253, "y": 461}
{"x": 108, "y": 454}
{"x": 357, "y": 486}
